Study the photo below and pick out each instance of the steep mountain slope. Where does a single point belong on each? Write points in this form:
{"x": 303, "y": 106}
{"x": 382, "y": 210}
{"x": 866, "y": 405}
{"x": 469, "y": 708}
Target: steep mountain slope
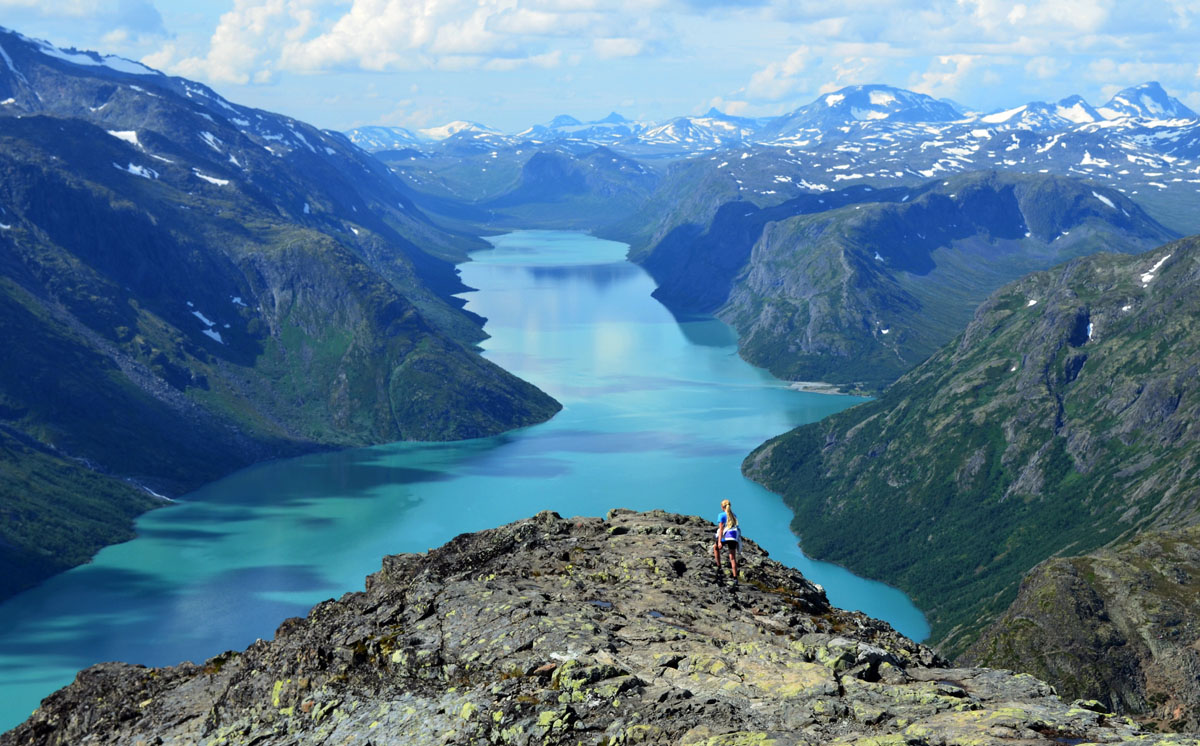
{"x": 1063, "y": 419}
{"x": 1119, "y": 625}
{"x": 858, "y": 286}
{"x": 579, "y": 631}
{"x": 184, "y": 292}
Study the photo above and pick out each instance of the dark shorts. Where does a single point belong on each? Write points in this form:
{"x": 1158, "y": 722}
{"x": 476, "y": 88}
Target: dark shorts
{"x": 730, "y": 546}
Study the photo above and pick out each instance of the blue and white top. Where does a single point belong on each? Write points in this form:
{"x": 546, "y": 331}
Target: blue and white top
{"x": 727, "y": 534}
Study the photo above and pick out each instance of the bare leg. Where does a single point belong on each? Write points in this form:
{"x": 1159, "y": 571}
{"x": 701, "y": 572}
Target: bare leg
{"x": 733, "y": 562}
{"x": 717, "y": 554}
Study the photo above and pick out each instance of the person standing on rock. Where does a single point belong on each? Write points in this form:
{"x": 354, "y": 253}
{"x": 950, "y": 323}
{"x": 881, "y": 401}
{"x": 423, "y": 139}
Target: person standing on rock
{"x": 728, "y": 536}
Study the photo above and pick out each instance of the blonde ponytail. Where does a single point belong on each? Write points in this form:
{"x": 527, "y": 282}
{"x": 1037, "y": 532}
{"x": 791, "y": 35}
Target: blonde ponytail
{"x": 730, "y": 519}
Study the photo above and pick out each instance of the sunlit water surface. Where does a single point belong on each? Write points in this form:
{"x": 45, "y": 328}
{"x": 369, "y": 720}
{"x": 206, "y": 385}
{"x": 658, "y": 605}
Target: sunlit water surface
{"x": 658, "y": 413}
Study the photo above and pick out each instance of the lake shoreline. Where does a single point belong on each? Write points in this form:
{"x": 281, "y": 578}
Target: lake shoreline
{"x": 819, "y": 387}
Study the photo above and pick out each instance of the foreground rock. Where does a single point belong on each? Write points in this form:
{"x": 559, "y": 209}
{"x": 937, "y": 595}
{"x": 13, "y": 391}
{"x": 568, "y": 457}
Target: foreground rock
{"x": 554, "y": 631}
{"x": 1119, "y": 625}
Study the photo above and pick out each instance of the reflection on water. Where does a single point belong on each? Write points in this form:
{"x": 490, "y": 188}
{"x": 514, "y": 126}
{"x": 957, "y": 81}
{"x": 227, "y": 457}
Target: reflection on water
{"x": 658, "y": 413}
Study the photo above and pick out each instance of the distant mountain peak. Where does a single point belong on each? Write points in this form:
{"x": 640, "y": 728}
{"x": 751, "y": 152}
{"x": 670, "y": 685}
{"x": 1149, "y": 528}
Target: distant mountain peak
{"x": 1075, "y": 109}
{"x": 453, "y": 128}
{"x": 564, "y": 120}
{"x": 860, "y": 103}
{"x": 1146, "y": 101}
{"x": 612, "y": 118}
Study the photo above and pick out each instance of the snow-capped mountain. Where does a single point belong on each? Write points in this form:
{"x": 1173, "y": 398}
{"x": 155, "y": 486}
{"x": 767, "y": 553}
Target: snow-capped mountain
{"x": 1039, "y": 116}
{"x": 862, "y": 103}
{"x": 1076, "y": 109}
{"x": 453, "y": 128}
{"x": 375, "y": 138}
{"x": 713, "y": 130}
{"x": 1146, "y": 101}
{"x": 611, "y": 129}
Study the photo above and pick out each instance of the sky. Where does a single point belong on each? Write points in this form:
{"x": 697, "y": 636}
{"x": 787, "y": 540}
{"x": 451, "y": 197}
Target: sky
{"x": 508, "y": 64}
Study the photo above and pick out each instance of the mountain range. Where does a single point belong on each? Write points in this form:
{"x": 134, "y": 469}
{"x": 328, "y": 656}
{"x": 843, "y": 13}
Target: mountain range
{"x": 189, "y": 286}
{"x": 829, "y": 113}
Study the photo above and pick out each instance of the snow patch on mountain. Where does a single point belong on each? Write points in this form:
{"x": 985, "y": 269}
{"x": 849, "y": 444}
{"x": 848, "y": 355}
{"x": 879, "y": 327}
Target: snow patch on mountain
{"x": 210, "y": 179}
{"x": 453, "y": 128}
{"x": 1148, "y": 277}
{"x": 1003, "y": 116}
{"x": 129, "y": 136}
{"x": 211, "y": 140}
{"x": 8, "y": 61}
{"x": 881, "y": 98}
{"x": 136, "y": 170}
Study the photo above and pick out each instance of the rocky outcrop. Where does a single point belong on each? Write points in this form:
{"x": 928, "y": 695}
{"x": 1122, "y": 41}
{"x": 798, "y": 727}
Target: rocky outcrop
{"x": 1120, "y": 626}
{"x": 566, "y": 631}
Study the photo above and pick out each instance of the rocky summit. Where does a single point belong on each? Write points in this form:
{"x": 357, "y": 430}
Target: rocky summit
{"x": 574, "y": 631}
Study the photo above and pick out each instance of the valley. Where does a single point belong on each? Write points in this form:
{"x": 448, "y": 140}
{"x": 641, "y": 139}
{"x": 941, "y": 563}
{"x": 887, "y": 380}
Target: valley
{"x": 656, "y": 413}
{"x": 194, "y": 292}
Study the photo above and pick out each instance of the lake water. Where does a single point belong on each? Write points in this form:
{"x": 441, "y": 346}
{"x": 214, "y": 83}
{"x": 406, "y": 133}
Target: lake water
{"x": 658, "y": 413}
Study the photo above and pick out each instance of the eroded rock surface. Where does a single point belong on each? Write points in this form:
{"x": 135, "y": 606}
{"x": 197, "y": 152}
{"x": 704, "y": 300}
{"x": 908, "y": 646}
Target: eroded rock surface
{"x": 565, "y": 631}
{"x": 1119, "y": 625}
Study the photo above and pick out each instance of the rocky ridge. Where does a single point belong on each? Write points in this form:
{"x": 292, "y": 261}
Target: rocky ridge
{"x": 1118, "y": 624}
{"x": 580, "y": 630}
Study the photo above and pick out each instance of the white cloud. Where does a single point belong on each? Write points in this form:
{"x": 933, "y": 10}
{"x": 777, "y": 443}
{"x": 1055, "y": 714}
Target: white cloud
{"x": 259, "y": 37}
{"x": 242, "y": 42}
{"x": 1045, "y": 67}
{"x": 1074, "y": 15}
{"x": 547, "y": 61}
{"x": 618, "y": 47}
{"x": 1117, "y": 75}
{"x": 779, "y": 79}
{"x": 946, "y": 75}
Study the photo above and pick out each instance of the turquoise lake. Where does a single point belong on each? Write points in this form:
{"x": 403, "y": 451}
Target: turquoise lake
{"x": 658, "y": 413}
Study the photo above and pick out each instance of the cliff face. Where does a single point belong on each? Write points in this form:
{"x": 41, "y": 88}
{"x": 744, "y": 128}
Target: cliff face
{"x": 565, "y": 631}
{"x": 1118, "y": 625}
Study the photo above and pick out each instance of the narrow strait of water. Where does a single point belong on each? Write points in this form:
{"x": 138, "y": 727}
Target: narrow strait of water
{"x": 658, "y": 413}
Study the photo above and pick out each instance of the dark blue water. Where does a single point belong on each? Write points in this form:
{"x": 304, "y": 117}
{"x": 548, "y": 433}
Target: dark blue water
{"x": 657, "y": 414}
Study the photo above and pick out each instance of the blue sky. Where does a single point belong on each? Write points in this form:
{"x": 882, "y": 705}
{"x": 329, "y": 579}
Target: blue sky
{"x": 511, "y": 63}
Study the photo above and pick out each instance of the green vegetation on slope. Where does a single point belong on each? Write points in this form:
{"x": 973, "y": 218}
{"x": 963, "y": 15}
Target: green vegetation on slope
{"x": 1060, "y": 421}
